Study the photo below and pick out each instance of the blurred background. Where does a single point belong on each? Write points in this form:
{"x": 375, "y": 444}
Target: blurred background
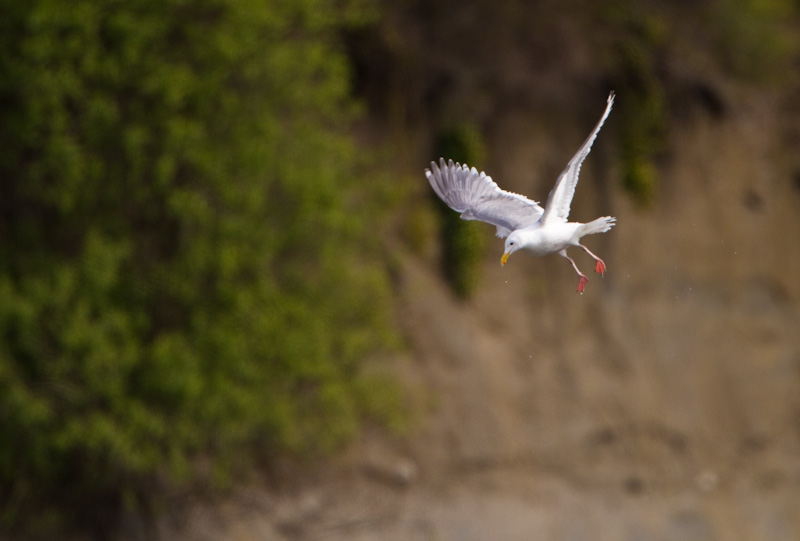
{"x": 231, "y": 307}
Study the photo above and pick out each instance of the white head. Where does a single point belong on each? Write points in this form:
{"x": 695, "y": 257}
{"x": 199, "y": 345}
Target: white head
{"x": 513, "y": 243}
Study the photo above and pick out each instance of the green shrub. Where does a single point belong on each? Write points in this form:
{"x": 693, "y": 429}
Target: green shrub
{"x": 756, "y": 40}
{"x": 183, "y": 275}
{"x": 639, "y": 44}
{"x": 462, "y": 241}
{"x": 642, "y": 138}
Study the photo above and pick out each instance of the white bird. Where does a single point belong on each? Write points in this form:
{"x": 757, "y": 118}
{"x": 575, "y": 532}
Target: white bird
{"x": 522, "y": 221}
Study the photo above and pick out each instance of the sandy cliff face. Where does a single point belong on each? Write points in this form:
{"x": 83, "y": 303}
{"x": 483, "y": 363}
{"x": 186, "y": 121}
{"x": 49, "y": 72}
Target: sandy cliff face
{"x": 662, "y": 404}
{"x": 671, "y": 386}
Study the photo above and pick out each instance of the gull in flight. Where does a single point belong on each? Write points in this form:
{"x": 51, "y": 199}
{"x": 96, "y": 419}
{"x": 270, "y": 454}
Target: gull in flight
{"x": 521, "y": 221}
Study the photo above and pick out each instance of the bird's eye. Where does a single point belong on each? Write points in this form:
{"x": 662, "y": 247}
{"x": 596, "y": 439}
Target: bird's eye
{"x": 511, "y": 244}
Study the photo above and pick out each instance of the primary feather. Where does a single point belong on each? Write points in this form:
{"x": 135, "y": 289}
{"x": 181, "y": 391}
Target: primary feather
{"x": 560, "y": 198}
{"x": 477, "y": 197}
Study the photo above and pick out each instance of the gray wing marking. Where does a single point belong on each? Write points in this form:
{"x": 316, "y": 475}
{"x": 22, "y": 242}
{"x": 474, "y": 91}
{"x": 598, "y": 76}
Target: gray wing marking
{"x": 560, "y": 198}
{"x": 477, "y": 197}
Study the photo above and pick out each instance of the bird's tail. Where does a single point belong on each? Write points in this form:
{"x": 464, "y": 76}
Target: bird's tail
{"x": 600, "y": 225}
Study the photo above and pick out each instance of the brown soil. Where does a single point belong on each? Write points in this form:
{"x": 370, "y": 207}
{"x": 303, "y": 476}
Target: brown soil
{"x": 662, "y": 404}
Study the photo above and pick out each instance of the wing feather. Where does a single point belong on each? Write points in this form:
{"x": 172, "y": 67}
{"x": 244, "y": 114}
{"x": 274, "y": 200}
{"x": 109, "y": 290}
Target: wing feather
{"x": 477, "y": 197}
{"x": 560, "y": 198}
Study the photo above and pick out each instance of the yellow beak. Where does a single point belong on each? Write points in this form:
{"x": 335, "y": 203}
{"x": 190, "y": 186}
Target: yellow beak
{"x": 504, "y": 258}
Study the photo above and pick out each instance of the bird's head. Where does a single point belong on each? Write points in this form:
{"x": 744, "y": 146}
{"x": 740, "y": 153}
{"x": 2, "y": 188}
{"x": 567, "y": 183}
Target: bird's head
{"x": 513, "y": 243}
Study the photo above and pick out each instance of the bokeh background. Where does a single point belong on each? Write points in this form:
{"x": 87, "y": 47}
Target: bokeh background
{"x": 232, "y": 308}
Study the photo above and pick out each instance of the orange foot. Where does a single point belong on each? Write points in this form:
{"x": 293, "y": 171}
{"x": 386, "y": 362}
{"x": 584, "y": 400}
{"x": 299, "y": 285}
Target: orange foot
{"x": 600, "y": 267}
{"x": 582, "y": 283}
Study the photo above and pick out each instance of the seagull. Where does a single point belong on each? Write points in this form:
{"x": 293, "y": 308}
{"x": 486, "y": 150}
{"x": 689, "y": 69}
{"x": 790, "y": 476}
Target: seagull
{"x": 521, "y": 221}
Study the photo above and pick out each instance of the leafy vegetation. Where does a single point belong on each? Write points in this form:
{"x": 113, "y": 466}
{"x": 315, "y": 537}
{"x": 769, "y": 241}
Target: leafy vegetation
{"x": 183, "y": 273}
{"x": 643, "y": 131}
{"x": 756, "y": 39}
{"x": 462, "y": 241}
{"x": 751, "y": 41}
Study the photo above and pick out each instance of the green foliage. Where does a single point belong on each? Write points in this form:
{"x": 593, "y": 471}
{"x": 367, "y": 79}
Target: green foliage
{"x": 756, "y": 39}
{"x": 462, "y": 241}
{"x": 642, "y": 134}
{"x": 643, "y": 105}
{"x": 421, "y": 227}
{"x": 750, "y": 40}
{"x": 183, "y": 272}
{"x": 385, "y": 400}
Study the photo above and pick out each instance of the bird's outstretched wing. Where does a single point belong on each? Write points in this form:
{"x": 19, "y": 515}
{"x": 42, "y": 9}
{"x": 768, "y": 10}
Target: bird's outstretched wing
{"x": 477, "y": 197}
{"x": 560, "y": 198}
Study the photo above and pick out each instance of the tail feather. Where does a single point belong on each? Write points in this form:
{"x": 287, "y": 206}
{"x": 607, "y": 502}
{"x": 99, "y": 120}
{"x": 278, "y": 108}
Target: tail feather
{"x": 600, "y": 225}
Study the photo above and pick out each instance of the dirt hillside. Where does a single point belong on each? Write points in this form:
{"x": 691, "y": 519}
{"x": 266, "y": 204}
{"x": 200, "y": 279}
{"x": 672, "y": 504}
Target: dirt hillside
{"x": 664, "y": 403}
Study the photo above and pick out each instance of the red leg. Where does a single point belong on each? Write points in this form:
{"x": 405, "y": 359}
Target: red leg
{"x": 600, "y": 266}
{"x": 583, "y": 280}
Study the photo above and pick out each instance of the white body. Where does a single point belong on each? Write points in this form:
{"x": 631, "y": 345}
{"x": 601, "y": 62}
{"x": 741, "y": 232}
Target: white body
{"x": 550, "y": 240}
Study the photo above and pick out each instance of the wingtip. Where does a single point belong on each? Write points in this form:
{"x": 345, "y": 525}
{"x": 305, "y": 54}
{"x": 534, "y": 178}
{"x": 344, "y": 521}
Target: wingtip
{"x": 451, "y": 165}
